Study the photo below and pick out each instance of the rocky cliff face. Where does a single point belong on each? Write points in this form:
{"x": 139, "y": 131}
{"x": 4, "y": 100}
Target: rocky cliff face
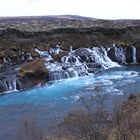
{"x": 37, "y": 50}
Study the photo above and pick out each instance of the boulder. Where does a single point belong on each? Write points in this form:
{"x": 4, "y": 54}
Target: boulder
{"x": 84, "y": 54}
{"x": 34, "y": 71}
{"x": 2, "y": 86}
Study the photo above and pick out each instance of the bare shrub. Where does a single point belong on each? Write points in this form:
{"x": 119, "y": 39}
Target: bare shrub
{"x": 29, "y": 130}
{"x": 125, "y": 120}
{"x": 84, "y": 126}
{"x": 89, "y": 122}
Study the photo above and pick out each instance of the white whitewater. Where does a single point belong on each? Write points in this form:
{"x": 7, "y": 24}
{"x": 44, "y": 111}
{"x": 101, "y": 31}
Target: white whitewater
{"x": 56, "y": 71}
{"x": 55, "y": 50}
{"x": 70, "y": 59}
{"x": 10, "y": 85}
{"x": 74, "y": 65}
{"x": 44, "y": 54}
{"x": 134, "y": 55}
{"x": 29, "y": 56}
{"x": 120, "y": 54}
{"x": 7, "y": 60}
{"x": 100, "y": 56}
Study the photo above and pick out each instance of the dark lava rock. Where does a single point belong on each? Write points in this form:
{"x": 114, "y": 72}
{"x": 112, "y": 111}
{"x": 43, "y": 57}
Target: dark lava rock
{"x": 2, "y": 87}
{"x": 129, "y": 54}
{"x": 19, "y": 85}
{"x": 138, "y": 54}
{"x": 94, "y": 65}
{"x": 84, "y": 54}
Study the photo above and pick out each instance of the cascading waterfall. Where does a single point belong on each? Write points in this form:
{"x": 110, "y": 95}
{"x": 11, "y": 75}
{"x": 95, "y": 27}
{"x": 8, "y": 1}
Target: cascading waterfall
{"x": 58, "y": 75}
{"x": 7, "y": 60}
{"x": 44, "y": 54}
{"x": 117, "y": 54}
{"x": 71, "y": 59}
{"x": 134, "y": 55}
{"x": 72, "y": 72}
{"x": 10, "y": 85}
{"x": 57, "y": 71}
{"x": 74, "y": 65}
{"x": 55, "y": 50}
{"x": 29, "y": 56}
{"x": 79, "y": 62}
{"x": 120, "y": 54}
{"x": 6, "y": 85}
{"x": 100, "y": 56}
{"x": 71, "y": 49}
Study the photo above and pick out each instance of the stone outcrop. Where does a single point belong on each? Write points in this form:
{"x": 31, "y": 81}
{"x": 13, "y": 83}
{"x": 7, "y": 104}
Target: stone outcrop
{"x": 33, "y": 73}
{"x": 2, "y": 87}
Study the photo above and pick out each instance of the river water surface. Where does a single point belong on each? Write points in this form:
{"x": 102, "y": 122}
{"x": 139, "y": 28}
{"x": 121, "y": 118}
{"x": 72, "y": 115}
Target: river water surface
{"x": 53, "y": 101}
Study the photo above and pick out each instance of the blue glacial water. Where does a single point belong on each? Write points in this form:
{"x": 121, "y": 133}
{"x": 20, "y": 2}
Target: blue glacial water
{"x": 51, "y": 102}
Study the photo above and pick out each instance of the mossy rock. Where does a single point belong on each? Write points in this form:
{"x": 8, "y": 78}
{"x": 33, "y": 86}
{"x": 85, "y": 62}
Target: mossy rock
{"x": 33, "y": 70}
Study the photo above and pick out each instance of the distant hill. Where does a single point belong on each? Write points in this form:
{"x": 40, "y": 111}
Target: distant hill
{"x": 47, "y": 23}
{"x": 76, "y": 17}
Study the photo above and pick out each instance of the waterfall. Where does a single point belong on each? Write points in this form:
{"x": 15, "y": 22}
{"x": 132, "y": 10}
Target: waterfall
{"x": 58, "y": 75}
{"x": 72, "y": 72}
{"x": 29, "y": 56}
{"x": 57, "y": 72}
{"x": 4, "y": 60}
{"x": 44, "y": 54}
{"x": 120, "y": 54}
{"x": 55, "y": 50}
{"x": 10, "y": 85}
{"x": 14, "y": 86}
{"x": 25, "y": 56}
{"x": 100, "y": 56}
{"x": 6, "y": 85}
{"x": 134, "y": 55}
{"x": 123, "y": 55}
{"x": 70, "y": 59}
{"x": 113, "y": 45}
{"x": 71, "y": 49}
{"x": 80, "y": 62}
{"x": 7, "y": 60}
{"x": 74, "y": 63}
